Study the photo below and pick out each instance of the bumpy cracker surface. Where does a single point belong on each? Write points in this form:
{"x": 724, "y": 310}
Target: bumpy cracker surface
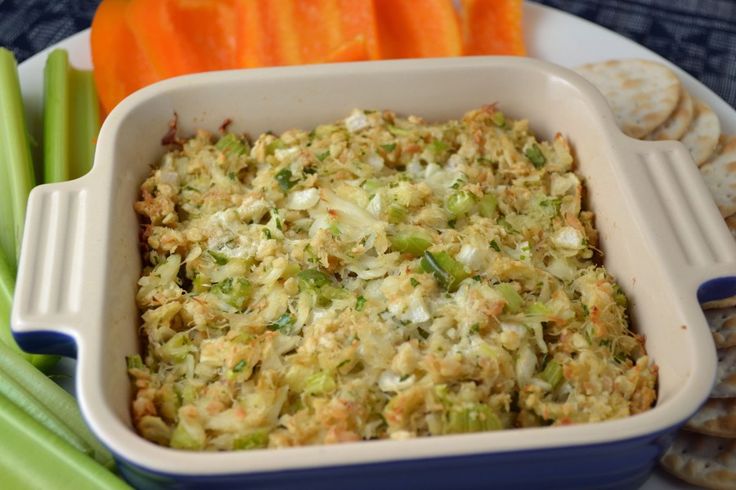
{"x": 703, "y": 460}
{"x": 717, "y": 417}
{"x": 701, "y": 138}
{"x": 726, "y": 374}
{"x": 641, "y": 93}
{"x": 720, "y": 177}
{"x": 677, "y": 124}
{"x": 722, "y": 323}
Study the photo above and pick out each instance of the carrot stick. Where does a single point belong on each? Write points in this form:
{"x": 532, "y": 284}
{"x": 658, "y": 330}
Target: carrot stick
{"x": 353, "y": 50}
{"x": 119, "y": 65}
{"x": 184, "y": 36}
{"x": 417, "y": 28}
{"x": 265, "y": 33}
{"x": 492, "y": 27}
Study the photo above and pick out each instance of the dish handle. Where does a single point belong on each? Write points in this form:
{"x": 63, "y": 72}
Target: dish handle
{"x": 55, "y": 294}
{"x": 681, "y": 221}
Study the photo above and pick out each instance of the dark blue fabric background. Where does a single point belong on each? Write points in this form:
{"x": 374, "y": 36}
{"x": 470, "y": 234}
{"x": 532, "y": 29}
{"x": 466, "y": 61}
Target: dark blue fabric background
{"x": 697, "y": 35}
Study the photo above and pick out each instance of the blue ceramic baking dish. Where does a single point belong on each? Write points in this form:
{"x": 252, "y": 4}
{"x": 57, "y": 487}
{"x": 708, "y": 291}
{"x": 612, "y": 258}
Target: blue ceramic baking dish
{"x": 661, "y": 234}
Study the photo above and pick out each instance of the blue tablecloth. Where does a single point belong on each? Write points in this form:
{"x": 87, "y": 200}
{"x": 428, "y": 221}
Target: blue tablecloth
{"x": 697, "y": 35}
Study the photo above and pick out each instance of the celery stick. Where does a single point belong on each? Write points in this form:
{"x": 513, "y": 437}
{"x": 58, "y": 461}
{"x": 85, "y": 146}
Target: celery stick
{"x": 7, "y": 285}
{"x": 22, "y": 398}
{"x": 56, "y": 118}
{"x": 33, "y": 457}
{"x": 71, "y": 119}
{"x": 53, "y": 397}
{"x": 86, "y": 121}
{"x": 16, "y": 168}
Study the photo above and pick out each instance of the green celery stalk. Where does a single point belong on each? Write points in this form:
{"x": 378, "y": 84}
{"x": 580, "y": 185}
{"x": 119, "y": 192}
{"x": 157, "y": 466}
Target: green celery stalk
{"x": 7, "y": 285}
{"x": 22, "y": 398}
{"x": 52, "y": 397}
{"x": 71, "y": 119}
{"x": 33, "y": 457}
{"x": 16, "y": 168}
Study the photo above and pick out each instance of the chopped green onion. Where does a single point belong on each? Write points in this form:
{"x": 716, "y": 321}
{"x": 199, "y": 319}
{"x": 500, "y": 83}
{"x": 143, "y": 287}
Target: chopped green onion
{"x": 329, "y": 292}
{"x": 320, "y": 383}
{"x": 413, "y": 282}
{"x": 538, "y": 309}
{"x": 552, "y": 374}
{"x": 230, "y": 144}
{"x": 499, "y": 119}
{"x": 219, "y": 257}
{"x": 397, "y": 213}
{"x": 389, "y": 147}
{"x": 414, "y": 243}
{"x": 360, "y": 303}
{"x": 513, "y": 300}
{"x": 256, "y": 440}
{"x": 438, "y": 146}
{"x": 184, "y": 438}
{"x": 396, "y": 131}
{"x": 448, "y": 271}
{"x": 313, "y": 278}
{"x": 282, "y": 324}
{"x": 240, "y": 366}
{"x": 372, "y": 185}
{"x": 284, "y": 179}
{"x": 276, "y": 144}
{"x": 460, "y": 203}
{"x": 534, "y": 154}
{"x": 176, "y": 348}
{"x": 134, "y": 362}
{"x": 235, "y": 292}
{"x": 487, "y": 205}
{"x": 475, "y": 418}
{"x": 321, "y": 156}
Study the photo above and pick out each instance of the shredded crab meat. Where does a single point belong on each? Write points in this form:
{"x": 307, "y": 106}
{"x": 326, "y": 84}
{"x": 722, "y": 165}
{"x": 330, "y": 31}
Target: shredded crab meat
{"x": 375, "y": 278}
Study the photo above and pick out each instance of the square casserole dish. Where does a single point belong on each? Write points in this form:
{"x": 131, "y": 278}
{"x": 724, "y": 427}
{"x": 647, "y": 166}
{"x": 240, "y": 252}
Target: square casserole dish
{"x": 662, "y": 237}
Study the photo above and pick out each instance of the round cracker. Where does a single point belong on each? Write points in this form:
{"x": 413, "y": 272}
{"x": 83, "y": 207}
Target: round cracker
{"x": 677, "y": 124}
{"x": 720, "y": 177}
{"x": 722, "y": 324}
{"x": 641, "y": 93}
{"x": 702, "y": 460}
{"x": 717, "y": 417}
{"x": 701, "y": 138}
{"x": 725, "y": 374}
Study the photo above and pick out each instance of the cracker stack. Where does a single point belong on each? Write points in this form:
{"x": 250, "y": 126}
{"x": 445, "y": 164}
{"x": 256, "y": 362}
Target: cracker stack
{"x": 649, "y": 102}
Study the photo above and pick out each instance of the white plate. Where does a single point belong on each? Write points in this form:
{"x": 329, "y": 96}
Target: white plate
{"x": 551, "y": 35}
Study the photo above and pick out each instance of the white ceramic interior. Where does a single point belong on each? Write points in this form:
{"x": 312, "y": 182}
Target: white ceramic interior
{"x": 660, "y": 231}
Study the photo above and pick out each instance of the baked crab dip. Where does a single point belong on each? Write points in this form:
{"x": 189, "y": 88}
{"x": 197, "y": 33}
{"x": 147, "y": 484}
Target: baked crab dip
{"x": 378, "y": 277}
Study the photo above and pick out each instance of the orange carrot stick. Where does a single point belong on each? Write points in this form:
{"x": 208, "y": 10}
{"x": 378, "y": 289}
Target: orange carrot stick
{"x": 492, "y": 27}
{"x": 265, "y": 33}
{"x": 287, "y": 32}
{"x": 354, "y": 50}
{"x": 184, "y": 36}
{"x": 417, "y": 28}
{"x": 119, "y": 65}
